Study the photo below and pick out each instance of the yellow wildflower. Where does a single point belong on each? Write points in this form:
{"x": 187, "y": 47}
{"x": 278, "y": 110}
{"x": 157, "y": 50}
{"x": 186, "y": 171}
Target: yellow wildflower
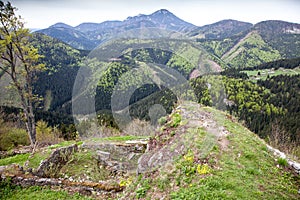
{"x": 203, "y": 169}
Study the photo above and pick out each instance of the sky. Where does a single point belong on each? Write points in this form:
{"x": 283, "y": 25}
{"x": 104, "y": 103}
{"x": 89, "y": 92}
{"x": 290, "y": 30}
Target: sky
{"x": 43, "y": 13}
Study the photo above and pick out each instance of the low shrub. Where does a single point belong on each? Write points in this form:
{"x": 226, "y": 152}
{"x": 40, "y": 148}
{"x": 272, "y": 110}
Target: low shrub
{"x": 176, "y": 119}
{"x": 13, "y": 138}
{"x": 46, "y": 134}
{"x": 162, "y": 120}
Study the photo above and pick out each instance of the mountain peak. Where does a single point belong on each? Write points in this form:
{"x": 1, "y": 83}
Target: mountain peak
{"x": 275, "y": 27}
{"x": 162, "y": 11}
{"x": 60, "y": 25}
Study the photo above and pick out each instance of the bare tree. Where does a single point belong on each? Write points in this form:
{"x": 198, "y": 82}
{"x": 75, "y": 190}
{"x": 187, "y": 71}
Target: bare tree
{"x": 19, "y": 60}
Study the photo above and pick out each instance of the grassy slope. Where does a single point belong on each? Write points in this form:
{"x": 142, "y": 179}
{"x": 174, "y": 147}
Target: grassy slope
{"x": 249, "y": 170}
{"x": 35, "y": 160}
{"x": 243, "y": 170}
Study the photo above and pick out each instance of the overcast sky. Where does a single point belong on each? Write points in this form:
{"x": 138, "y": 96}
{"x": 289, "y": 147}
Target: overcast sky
{"x": 43, "y": 13}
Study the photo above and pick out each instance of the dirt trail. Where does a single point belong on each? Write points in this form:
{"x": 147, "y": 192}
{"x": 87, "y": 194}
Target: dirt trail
{"x": 197, "y": 118}
{"x": 173, "y": 142}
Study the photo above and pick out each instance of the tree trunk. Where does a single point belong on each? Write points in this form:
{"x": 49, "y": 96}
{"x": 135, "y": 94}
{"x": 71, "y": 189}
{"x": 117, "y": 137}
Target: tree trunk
{"x": 29, "y": 116}
{"x": 33, "y": 129}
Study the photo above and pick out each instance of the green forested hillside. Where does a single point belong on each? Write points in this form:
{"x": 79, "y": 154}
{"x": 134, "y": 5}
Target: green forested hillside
{"x": 190, "y": 104}
{"x": 261, "y": 105}
{"x": 71, "y": 37}
{"x": 282, "y": 36}
{"x": 264, "y": 42}
{"x": 269, "y": 108}
{"x": 129, "y": 65}
{"x": 250, "y": 51}
{"x": 274, "y": 96}
{"x": 62, "y": 62}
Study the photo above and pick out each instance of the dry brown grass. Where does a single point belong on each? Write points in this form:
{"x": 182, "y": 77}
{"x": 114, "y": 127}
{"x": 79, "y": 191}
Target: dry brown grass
{"x": 281, "y": 140}
{"x": 139, "y": 128}
{"x": 47, "y": 135}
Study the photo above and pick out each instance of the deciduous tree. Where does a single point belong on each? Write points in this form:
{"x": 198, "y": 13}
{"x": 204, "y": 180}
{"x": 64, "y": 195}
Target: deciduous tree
{"x": 19, "y": 60}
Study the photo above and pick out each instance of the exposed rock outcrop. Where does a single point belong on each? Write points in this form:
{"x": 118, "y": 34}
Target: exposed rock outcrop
{"x": 293, "y": 164}
{"x": 84, "y": 187}
{"x": 58, "y": 158}
{"x": 118, "y": 157}
{"x": 173, "y": 142}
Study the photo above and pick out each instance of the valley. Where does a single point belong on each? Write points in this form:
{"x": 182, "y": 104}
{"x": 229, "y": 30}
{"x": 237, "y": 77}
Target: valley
{"x": 152, "y": 107}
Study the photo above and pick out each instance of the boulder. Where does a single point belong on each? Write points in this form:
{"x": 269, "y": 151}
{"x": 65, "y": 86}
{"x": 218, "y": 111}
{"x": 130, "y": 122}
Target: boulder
{"x": 58, "y": 158}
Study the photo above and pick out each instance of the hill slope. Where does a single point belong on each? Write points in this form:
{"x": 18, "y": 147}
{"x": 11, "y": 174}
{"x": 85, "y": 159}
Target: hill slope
{"x": 198, "y": 153}
{"x": 62, "y": 62}
{"x": 282, "y": 36}
{"x": 251, "y": 50}
{"x": 264, "y": 42}
{"x": 202, "y": 153}
{"x": 220, "y": 30}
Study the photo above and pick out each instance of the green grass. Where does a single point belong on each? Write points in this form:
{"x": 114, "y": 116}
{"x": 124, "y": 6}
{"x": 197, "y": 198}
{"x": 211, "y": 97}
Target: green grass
{"x": 9, "y": 191}
{"x": 253, "y": 74}
{"x": 283, "y": 162}
{"x": 249, "y": 171}
{"x": 17, "y": 159}
{"x": 64, "y": 144}
{"x": 244, "y": 170}
{"x": 36, "y": 159}
{"x": 176, "y": 119}
{"x": 119, "y": 138}
{"x": 83, "y": 165}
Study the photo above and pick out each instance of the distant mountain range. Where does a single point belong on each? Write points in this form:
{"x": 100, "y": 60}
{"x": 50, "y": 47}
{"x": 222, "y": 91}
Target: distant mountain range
{"x": 89, "y": 35}
{"x": 238, "y": 44}
{"x": 228, "y": 43}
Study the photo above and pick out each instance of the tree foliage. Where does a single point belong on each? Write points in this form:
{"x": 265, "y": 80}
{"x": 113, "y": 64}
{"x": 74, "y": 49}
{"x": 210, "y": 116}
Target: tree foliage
{"x": 19, "y": 59}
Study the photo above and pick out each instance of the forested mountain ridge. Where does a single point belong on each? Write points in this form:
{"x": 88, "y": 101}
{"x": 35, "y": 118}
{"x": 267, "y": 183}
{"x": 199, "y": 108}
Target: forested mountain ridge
{"x": 55, "y": 86}
{"x": 220, "y": 30}
{"x": 282, "y": 36}
{"x": 60, "y": 25}
{"x": 234, "y": 41}
{"x": 260, "y": 105}
{"x": 240, "y": 46}
{"x": 70, "y": 36}
{"x": 276, "y": 27}
{"x": 264, "y": 42}
{"x": 190, "y": 103}
{"x": 237, "y": 44}
{"x": 62, "y": 62}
